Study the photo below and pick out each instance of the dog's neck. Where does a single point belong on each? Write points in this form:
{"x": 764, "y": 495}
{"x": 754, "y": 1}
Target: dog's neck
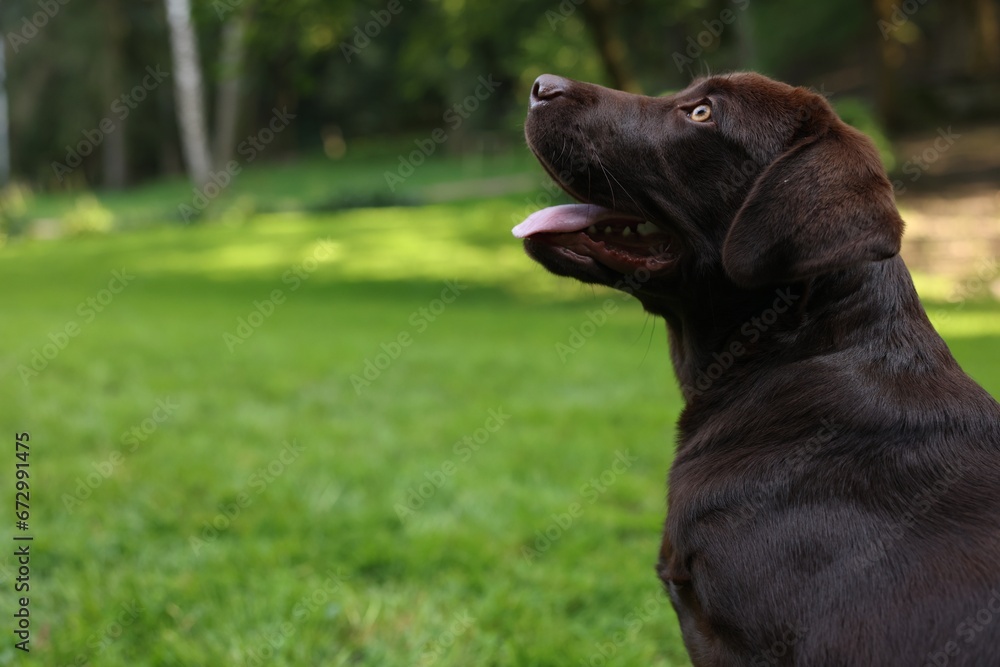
{"x": 724, "y": 336}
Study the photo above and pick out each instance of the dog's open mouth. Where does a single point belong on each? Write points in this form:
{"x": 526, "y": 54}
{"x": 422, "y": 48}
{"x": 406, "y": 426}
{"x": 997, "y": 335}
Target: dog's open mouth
{"x": 619, "y": 241}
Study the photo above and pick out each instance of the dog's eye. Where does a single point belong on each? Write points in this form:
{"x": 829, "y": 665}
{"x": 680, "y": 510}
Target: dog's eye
{"x": 701, "y": 113}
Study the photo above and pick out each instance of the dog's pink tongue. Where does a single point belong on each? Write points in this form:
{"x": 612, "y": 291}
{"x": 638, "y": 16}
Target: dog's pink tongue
{"x": 561, "y": 219}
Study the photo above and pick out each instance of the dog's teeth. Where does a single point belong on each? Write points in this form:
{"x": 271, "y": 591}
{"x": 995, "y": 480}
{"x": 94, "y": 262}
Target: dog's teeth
{"x": 592, "y": 230}
{"x": 646, "y": 228}
{"x": 607, "y": 230}
{"x": 626, "y": 231}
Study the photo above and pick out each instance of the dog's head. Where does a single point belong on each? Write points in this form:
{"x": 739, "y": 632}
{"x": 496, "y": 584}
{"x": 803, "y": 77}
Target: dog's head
{"x": 739, "y": 180}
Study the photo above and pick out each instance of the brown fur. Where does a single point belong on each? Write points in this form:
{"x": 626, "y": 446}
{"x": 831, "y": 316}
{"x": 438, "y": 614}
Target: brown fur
{"x": 835, "y": 495}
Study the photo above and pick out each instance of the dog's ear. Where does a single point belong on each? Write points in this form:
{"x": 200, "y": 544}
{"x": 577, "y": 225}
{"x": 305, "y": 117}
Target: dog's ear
{"x": 823, "y": 205}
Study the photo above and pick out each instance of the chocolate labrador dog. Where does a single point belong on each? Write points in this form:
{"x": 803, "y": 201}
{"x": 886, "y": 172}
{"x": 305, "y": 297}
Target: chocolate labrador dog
{"x": 835, "y": 495}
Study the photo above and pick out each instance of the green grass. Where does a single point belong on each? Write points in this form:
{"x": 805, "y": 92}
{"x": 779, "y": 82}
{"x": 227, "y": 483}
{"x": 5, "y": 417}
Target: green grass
{"x": 312, "y": 182}
{"x": 316, "y": 558}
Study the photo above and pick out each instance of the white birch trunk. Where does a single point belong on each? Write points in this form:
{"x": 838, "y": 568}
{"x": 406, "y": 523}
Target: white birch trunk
{"x": 189, "y": 91}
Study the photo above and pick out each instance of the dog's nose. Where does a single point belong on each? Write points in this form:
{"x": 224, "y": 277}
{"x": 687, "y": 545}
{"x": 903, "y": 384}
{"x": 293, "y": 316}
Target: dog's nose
{"x": 547, "y": 87}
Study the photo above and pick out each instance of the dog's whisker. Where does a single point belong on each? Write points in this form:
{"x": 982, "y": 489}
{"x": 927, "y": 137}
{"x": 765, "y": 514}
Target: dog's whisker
{"x": 607, "y": 177}
{"x": 652, "y": 334}
{"x": 611, "y": 188}
{"x": 622, "y": 187}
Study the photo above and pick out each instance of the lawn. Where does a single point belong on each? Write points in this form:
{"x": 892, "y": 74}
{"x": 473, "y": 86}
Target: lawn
{"x": 343, "y": 438}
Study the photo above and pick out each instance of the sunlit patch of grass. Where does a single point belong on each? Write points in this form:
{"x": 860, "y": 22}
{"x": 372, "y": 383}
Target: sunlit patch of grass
{"x": 431, "y": 243}
{"x": 961, "y": 320}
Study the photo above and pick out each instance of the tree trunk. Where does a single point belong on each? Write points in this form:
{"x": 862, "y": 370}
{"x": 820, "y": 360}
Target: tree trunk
{"x": 891, "y": 57}
{"x": 227, "y": 100}
{"x": 189, "y": 92}
{"x": 114, "y": 160}
{"x": 599, "y": 16}
{"x": 4, "y": 118}
{"x": 746, "y": 46}
{"x": 987, "y": 36}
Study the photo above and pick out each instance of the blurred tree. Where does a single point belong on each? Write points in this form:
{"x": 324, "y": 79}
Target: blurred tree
{"x": 356, "y": 70}
{"x": 891, "y": 56}
{"x": 602, "y": 19}
{"x": 986, "y": 19}
{"x": 4, "y": 123}
{"x": 114, "y": 161}
{"x": 190, "y": 97}
{"x": 232, "y": 57}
